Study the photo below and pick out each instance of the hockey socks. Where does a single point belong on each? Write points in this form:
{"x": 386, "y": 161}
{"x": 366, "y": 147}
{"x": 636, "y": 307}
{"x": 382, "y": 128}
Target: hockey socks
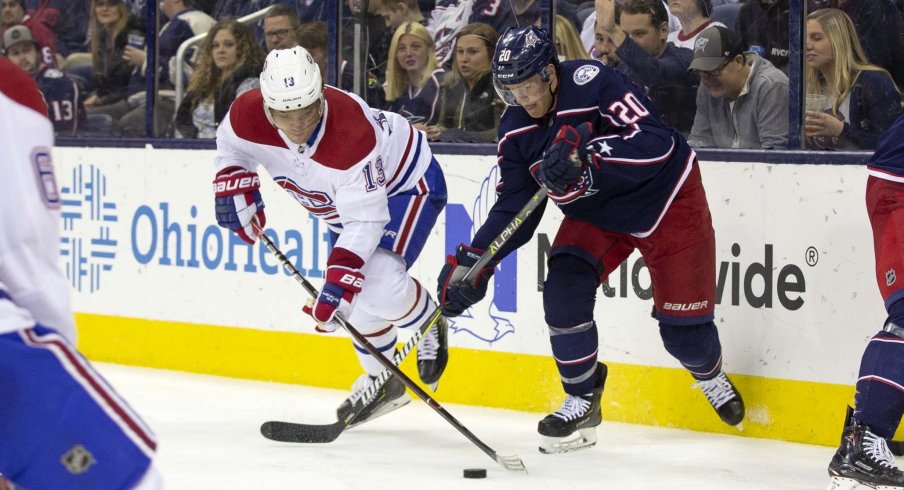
{"x": 879, "y": 400}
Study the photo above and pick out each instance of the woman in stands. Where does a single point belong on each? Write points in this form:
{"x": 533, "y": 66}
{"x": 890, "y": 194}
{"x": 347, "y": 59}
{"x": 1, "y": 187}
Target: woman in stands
{"x": 111, "y": 27}
{"x": 470, "y": 108}
{"x": 229, "y": 64}
{"x": 412, "y": 77}
{"x": 862, "y": 99}
{"x": 568, "y": 43}
{"x": 694, "y": 17}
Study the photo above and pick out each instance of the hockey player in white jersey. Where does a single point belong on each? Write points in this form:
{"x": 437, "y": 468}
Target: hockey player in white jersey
{"x": 370, "y": 176}
{"x": 61, "y": 425}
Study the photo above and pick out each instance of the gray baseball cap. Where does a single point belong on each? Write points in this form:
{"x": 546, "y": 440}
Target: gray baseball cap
{"x": 15, "y": 35}
{"x": 713, "y": 46}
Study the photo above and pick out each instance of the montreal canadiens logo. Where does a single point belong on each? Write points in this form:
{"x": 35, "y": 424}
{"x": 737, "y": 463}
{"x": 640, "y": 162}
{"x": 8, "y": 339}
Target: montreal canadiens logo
{"x": 316, "y": 202}
{"x": 585, "y": 73}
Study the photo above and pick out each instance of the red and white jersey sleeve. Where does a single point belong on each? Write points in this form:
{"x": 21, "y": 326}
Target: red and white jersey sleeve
{"x": 354, "y": 161}
{"x": 33, "y": 288}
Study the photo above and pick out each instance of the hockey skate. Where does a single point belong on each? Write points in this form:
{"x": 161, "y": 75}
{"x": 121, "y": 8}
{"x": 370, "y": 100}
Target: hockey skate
{"x": 389, "y": 397}
{"x": 433, "y": 353}
{"x": 863, "y": 460}
{"x": 724, "y": 398}
{"x": 573, "y": 425}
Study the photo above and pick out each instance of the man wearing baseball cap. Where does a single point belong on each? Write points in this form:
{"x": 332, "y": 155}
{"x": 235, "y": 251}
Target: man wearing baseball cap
{"x": 742, "y": 101}
{"x": 64, "y": 103}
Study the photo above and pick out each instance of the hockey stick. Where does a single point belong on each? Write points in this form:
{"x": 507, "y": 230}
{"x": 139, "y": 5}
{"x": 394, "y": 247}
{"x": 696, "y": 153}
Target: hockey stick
{"x": 508, "y": 462}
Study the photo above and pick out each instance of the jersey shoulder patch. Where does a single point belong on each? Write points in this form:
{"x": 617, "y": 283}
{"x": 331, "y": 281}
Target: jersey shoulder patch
{"x": 53, "y": 73}
{"x": 249, "y": 121}
{"x": 349, "y": 135}
{"x": 585, "y": 73}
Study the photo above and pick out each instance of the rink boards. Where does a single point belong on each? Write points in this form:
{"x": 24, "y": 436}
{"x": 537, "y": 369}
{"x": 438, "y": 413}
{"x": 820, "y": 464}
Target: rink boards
{"x": 156, "y": 283}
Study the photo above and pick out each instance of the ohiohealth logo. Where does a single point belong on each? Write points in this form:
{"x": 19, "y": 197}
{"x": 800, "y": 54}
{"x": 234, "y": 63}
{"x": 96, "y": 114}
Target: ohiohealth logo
{"x": 85, "y": 243}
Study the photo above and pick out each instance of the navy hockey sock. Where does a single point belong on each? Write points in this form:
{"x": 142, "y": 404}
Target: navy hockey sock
{"x": 696, "y": 347}
{"x": 568, "y": 298}
{"x": 879, "y": 400}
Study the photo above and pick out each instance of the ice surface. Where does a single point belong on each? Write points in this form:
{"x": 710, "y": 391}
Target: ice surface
{"x": 208, "y": 432}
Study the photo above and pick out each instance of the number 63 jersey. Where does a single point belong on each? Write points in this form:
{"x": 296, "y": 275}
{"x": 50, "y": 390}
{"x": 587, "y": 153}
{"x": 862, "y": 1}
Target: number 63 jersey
{"x": 354, "y": 161}
{"x": 640, "y": 163}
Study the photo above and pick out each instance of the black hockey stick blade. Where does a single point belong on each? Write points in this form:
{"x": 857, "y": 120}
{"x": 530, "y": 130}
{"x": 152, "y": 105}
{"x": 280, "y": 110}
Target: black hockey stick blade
{"x": 302, "y": 433}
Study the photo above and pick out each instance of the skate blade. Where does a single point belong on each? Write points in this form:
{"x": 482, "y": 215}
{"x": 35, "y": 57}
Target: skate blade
{"x": 434, "y": 386}
{"x": 842, "y": 483}
{"x": 389, "y": 407}
{"x": 580, "y": 439}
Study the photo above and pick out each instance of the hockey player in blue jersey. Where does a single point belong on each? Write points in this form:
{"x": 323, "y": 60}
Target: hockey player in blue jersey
{"x": 863, "y": 459}
{"x": 624, "y": 181}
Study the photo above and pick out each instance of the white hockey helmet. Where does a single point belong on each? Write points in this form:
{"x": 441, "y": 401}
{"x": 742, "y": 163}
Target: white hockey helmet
{"x": 290, "y": 80}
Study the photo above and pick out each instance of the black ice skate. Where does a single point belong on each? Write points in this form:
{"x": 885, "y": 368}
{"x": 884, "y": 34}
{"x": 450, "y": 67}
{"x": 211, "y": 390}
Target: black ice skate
{"x": 863, "y": 460}
{"x": 433, "y": 353}
{"x": 573, "y": 425}
{"x": 389, "y": 397}
{"x": 724, "y": 398}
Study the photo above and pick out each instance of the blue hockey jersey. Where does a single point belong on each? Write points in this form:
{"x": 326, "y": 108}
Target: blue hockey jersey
{"x": 64, "y": 102}
{"x": 642, "y": 162}
{"x": 887, "y": 161}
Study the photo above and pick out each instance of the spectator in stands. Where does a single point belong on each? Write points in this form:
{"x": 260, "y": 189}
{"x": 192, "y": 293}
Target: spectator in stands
{"x": 763, "y": 28}
{"x": 638, "y": 30}
{"x": 64, "y": 103}
{"x": 694, "y": 17}
{"x": 603, "y": 49}
{"x": 568, "y": 44}
{"x": 881, "y": 32}
{"x": 742, "y": 101}
{"x": 450, "y": 16}
{"x": 111, "y": 25}
{"x": 281, "y": 25}
{"x": 229, "y": 64}
{"x": 469, "y": 107}
{"x": 186, "y": 22}
{"x": 397, "y": 12}
{"x": 72, "y": 29}
{"x": 412, "y": 78}
{"x": 862, "y": 99}
{"x": 12, "y": 13}
{"x": 312, "y": 37}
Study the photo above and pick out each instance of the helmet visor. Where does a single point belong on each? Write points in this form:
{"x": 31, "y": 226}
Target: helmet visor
{"x": 523, "y": 93}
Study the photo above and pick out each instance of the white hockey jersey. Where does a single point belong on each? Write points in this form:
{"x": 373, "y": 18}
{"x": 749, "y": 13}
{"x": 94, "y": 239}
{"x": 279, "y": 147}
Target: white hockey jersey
{"x": 356, "y": 159}
{"x": 33, "y": 288}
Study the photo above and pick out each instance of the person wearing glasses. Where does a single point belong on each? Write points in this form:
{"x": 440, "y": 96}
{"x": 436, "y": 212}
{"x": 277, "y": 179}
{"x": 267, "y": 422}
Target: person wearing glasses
{"x": 281, "y": 27}
{"x": 742, "y": 101}
{"x": 637, "y": 30}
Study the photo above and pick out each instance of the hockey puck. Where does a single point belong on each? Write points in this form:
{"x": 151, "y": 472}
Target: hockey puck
{"x": 475, "y": 473}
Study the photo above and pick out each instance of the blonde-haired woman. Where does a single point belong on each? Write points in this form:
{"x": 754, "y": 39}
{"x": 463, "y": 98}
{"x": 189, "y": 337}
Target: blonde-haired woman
{"x": 229, "y": 64}
{"x": 412, "y": 77}
{"x": 469, "y": 107}
{"x": 111, "y": 26}
{"x": 568, "y": 43}
{"x": 862, "y": 100}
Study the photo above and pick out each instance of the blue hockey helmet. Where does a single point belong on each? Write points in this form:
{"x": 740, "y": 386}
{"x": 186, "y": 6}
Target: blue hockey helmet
{"x": 521, "y": 53}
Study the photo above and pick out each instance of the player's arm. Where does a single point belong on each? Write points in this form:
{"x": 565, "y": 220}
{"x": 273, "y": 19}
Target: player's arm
{"x": 362, "y": 203}
{"x": 237, "y": 198}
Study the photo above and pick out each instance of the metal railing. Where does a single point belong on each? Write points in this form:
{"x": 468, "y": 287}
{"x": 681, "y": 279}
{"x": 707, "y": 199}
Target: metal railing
{"x": 179, "y": 82}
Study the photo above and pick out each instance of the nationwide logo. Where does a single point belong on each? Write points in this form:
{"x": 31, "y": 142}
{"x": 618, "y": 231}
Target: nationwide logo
{"x": 86, "y": 244}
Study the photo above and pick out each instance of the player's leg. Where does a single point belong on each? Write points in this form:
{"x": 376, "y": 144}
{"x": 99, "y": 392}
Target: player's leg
{"x": 65, "y": 427}
{"x": 863, "y": 455}
{"x": 578, "y": 257}
{"x": 412, "y": 216}
{"x": 680, "y": 255}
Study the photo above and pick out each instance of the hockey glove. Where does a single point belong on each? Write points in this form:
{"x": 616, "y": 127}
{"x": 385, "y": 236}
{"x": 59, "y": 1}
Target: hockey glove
{"x": 565, "y": 159}
{"x": 238, "y": 201}
{"x": 343, "y": 282}
{"x": 457, "y": 296}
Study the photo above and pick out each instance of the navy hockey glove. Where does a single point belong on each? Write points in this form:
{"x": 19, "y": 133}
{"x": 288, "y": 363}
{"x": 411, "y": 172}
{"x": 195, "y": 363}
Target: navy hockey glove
{"x": 565, "y": 159}
{"x": 456, "y": 296}
{"x": 343, "y": 282}
{"x": 238, "y": 201}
